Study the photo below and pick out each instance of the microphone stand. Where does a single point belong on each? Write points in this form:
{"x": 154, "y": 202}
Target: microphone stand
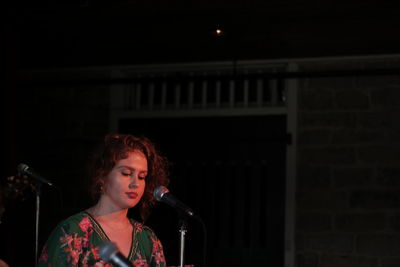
{"x": 182, "y": 231}
{"x": 38, "y": 192}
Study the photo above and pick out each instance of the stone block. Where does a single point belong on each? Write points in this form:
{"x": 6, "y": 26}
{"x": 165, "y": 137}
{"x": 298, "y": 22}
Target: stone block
{"x": 381, "y": 245}
{"x": 360, "y": 222}
{"x": 327, "y": 155}
{"x": 352, "y": 177}
{"x": 388, "y": 176}
{"x": 321, "y": 200}
{"x": 337, "y": 243}
{"x": 377, "y": 82}
{"x": 314, "y": 137}
{"x": 375, "y": 199}
{"x": 307, "y": 260}
{"x": 383, "y": 119}
{"x": 327, "y": 119}
{"x": 329, "y": 260}
{"x": 352, "y": 99}
{"x": 392, "y": 135}
{"x": 386, "y": 97}
{"x": 313, "y": 222}
{"x": 330, "y": 84}
{"x": 314, "y": 177}
{"x": 391, "y": 262}
{"x": 381, "y": 154}
{"x": 394, "y": 222}
{"x": 299, "y": 242}
{"x": 315, "y": 99}
{"x": 353, "y": 136}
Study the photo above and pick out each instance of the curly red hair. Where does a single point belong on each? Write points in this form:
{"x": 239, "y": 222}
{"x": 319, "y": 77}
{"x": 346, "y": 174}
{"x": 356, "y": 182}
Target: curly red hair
{"x": 116, "y": 147}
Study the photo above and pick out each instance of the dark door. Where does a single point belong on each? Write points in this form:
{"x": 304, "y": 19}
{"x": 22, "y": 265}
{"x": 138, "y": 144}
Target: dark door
{"x": 231, "y": 171}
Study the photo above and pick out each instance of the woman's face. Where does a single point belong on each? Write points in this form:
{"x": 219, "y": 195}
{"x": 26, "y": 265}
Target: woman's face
{"x": 124, "y": 185}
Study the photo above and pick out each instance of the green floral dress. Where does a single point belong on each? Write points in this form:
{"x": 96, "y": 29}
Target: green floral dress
{"x": 76, "y": 240}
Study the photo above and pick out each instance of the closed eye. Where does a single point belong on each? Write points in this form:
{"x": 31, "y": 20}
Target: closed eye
{"x": 142, "y": 176}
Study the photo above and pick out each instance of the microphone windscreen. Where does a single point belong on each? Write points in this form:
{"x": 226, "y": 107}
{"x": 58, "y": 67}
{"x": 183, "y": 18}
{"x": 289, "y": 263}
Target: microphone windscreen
{"x": 21, "y": 168}
{"x": 159, "y": 192}
{"x": 106, "y": 250}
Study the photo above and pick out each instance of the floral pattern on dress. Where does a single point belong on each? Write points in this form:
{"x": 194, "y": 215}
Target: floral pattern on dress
{"x": 75, "y": 243}
{"x": 44, "y": 256}
{"x": 140, "y": 262}
{"x": 138, "y": 227}
{"x": 75, "y": 246}
{"x": 157, "y": 251}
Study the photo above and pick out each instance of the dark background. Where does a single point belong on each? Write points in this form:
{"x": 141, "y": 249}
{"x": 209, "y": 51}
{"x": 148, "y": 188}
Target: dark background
{"x": 54, "y": 129}
{"x": 75, "y": 33}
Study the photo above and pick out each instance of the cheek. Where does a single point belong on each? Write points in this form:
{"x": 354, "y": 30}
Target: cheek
{"x": 113, "y": 183}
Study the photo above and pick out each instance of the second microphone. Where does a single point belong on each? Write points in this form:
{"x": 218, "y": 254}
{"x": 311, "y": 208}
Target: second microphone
{"x": 162, "y": 194}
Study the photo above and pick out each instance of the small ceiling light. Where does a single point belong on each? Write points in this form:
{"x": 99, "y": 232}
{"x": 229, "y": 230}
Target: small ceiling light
{"x": 219, "y": 32}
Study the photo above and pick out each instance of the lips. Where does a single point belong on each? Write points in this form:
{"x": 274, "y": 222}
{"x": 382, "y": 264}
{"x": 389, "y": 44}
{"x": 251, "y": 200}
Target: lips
{"x": 132, "y": 195}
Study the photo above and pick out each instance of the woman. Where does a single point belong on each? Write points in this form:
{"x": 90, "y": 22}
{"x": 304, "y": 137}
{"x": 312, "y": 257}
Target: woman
{"x": 123, "y": 174}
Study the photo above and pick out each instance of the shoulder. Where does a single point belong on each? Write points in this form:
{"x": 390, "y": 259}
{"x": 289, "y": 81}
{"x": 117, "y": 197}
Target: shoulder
{"x": 142, "y": 229}
{"x": 149, "y": 243}
{"x": 79, "y": 222}
{"x": 145, "y": 234}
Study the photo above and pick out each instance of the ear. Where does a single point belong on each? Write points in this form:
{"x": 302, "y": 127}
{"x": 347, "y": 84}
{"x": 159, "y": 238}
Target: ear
{"x": 102, "y": 185}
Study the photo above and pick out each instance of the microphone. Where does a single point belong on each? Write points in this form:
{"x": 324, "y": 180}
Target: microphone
{"x": 108, "y": 251}
{"x": 162, "y": 194}
{"x": 25, "y": 169}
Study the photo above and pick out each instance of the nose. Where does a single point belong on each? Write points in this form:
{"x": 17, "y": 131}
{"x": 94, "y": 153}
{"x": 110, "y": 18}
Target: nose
{"x": 134, "y": 182}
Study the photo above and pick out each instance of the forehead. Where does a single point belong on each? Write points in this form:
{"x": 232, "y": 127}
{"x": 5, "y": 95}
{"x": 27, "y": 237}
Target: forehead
{"x": 135, "y": 159}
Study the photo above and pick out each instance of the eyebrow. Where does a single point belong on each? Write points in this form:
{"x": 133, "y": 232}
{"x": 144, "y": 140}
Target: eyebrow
{"x": 130, "y": 168}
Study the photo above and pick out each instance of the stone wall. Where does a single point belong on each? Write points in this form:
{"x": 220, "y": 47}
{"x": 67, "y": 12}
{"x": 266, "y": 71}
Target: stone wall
{"x": 348, "y": 187}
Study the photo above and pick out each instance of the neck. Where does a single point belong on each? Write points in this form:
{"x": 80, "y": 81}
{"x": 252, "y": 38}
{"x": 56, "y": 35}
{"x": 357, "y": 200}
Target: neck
{"x": 106, "y": 212}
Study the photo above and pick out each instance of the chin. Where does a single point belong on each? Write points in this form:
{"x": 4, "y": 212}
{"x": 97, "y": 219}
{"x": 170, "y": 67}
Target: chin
{"x": 131, "y": 205}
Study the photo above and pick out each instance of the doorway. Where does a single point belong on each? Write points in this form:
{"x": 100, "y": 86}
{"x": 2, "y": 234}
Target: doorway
{"x": 230, "y": 171}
